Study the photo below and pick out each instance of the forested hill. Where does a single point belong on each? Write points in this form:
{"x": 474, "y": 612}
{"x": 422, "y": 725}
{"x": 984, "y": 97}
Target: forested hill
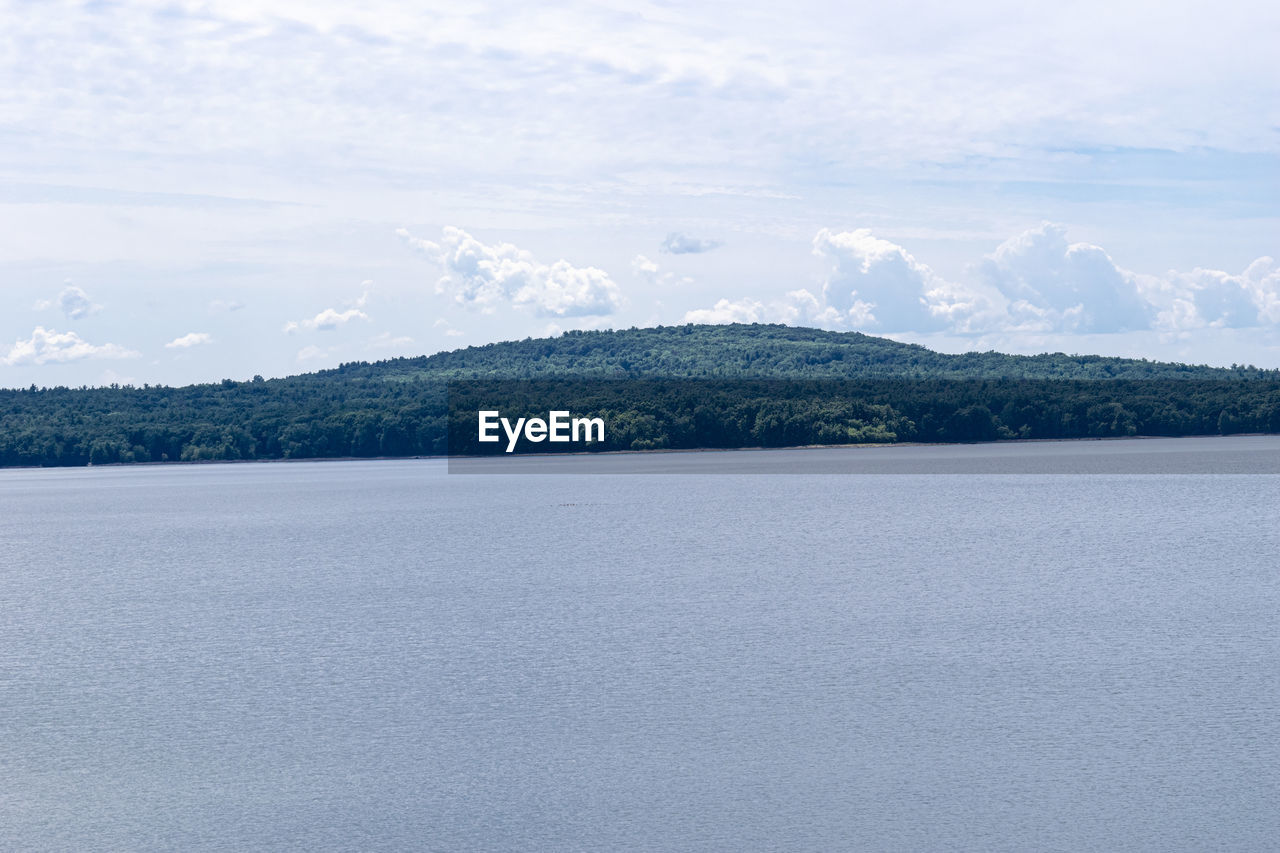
{"x": 761, "y": 351}
{"x": 878, "y": 390}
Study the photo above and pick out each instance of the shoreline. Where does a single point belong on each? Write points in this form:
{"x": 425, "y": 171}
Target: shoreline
{"x": 655, "y": 450}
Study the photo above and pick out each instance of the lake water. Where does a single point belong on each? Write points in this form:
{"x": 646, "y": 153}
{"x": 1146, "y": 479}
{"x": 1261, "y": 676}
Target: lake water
{"x": 941, "y": 655}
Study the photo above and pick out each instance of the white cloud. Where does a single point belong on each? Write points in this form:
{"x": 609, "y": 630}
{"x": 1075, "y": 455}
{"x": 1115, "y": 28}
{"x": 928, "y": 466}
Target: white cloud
{"x": 1034, "y": 283}
{"x": 48, "y": 345}
{"x": 875, "y": 284}
{"x": 651, "y": 274}
{"x": 644, "y": 269}
{"x": 726, "y": 311}
{"x": 1217, "y": 299}
{"x": 331, "y": 318}
{"x": 311, "y": 353}
{"x": 1053, "y": 285}
{"x": 1262, "y": 280}
{"x": 189, "y": 340}
{"x": 1153, "y": 126}
{"x": 685, "y": 244}
{"x": 933, "y": 79}
{"x": 387, "y": 341}
{"x": 72, "y": 301}
{"x": 803, "y": 308}
{"x": 489, "y": 276}
{"x": 366, "y": 289}
{"x": 228, "y": 305}
{"x": 797, "y": 308}
{"x": 448, "y": 329}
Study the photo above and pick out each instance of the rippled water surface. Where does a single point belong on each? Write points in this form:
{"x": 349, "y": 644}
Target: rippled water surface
{"x": 385, "y": 656}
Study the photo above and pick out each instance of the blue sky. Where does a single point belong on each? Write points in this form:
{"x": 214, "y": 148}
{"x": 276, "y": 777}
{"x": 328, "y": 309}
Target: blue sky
{"x": 191, "y": 191}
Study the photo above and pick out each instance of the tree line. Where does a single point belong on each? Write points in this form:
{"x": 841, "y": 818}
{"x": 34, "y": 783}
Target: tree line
{"x": 283, "y": 420}
{"x": 682, "y": 386}
{"x": 687, "y": 414}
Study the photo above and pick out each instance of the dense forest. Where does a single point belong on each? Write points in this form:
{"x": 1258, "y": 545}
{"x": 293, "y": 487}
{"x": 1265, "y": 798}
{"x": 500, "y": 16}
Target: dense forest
{"x": 686, "y": 414}
{"x": 686, "y": 386}
{"x": 763, "y": 351}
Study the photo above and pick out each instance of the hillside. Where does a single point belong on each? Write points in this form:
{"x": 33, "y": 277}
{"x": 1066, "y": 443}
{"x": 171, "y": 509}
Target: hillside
{"x": 807, "y": 386}
{"x": 771, "y": 351}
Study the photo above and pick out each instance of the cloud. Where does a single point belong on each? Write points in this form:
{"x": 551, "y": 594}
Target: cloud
{"x": 803, "y": 308}
{"x": 448, "y": 329}
{"x": 650, "y": 273}
{"x": 327, "y": 320}
{"x": 875, "y": 284}
{"x": 366, "y": 289}
{"x": 1053, "y": 285}
{"x": 1262, "y": 281}
{"x": 228, "y": 305}
{"x": 189, "y": 340}
{"x": 489, "y": 276}
{"x": 726, "y": 311}
{"x": 72, "y": 301}
{"x": 703, "y": 86}
{"x": 385, "y": 340}
{"x": 645, "y": 269}
{"x": 48, "y": 345}
{"x": 1155, "y": 125}
{"x": 1036, "y": 282}
{"x": 683, "y": 244}
{"x": 331, "y": 318}
{"x": 311, "y": 353}
{"x": 1217, "y": 299}
{"x": 797, "y": 308}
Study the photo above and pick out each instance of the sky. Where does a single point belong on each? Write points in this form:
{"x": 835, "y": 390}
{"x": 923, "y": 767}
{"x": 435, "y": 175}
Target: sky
{"x": 192, "y": 191}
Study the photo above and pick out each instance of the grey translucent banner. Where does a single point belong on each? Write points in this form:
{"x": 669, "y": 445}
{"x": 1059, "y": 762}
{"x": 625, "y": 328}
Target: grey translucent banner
{"x": 1227, "y": 455}
{"x": 861, "y": 426}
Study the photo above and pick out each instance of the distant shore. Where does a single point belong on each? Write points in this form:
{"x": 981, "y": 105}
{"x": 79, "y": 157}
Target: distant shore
{"x": 646, "y": 451}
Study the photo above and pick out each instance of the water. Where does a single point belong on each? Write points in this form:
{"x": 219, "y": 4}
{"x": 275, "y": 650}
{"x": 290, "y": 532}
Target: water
{"x": 383, "y": 656}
